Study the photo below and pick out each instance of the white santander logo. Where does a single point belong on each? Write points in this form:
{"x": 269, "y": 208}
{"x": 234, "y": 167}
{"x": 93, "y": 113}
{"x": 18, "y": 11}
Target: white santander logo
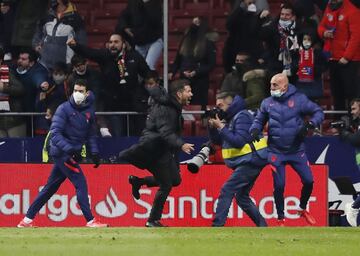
{"x": 111, "y": 207}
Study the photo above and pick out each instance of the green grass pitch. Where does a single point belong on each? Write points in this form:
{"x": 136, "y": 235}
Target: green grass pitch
{"x": 180, "y": 241}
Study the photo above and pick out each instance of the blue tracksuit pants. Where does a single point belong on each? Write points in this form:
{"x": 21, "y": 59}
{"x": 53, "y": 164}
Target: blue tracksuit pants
{"x": 63, "y": 168}
{"x": 299, "y": 162}
{"x": 239, "y": 185}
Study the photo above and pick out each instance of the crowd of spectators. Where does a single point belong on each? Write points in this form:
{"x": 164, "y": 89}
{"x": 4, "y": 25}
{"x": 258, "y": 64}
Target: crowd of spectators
{"x": 44, "y": 49}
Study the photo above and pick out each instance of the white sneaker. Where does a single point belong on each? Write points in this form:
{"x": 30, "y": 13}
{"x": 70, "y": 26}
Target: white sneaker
{"x": 351, "y": 214}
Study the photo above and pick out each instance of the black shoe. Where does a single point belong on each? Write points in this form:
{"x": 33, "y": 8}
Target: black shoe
{"x": 135, "y": 183}
{"x": 154, "y": 224}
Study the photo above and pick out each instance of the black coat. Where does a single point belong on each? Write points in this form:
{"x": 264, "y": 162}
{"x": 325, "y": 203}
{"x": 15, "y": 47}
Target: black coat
{"x": 116, "y": 96}
{"x": 145, "y": 22}
{"x": 161, "y": 135}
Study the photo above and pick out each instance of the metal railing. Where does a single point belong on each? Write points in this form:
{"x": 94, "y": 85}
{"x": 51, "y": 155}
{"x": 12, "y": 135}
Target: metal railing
{"x": 32, "y": 115}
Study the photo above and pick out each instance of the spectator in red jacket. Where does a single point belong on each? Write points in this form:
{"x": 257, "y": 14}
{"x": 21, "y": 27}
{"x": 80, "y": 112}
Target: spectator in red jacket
{"x": 344, "y": 50}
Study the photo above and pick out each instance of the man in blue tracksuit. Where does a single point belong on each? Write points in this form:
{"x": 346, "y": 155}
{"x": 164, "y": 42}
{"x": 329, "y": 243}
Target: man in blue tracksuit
{"x": 284, "y": 111}
{"x": 230, "y": 128}
{"x": 72, "y": 125}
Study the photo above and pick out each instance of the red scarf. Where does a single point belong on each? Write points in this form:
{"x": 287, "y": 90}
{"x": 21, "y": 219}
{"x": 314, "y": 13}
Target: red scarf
{"x": 4, "y": 76}
{"x": 306, "y": 65}
{"x": 4, "y": 73}
{"x": 122, "y": 67}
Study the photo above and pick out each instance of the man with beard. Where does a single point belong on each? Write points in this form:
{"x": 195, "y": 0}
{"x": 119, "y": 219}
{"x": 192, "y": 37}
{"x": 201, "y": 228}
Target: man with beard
{"x": 120, "y": 65}
{"x": 158, "y": 148}
{"x": 339, "y": 28}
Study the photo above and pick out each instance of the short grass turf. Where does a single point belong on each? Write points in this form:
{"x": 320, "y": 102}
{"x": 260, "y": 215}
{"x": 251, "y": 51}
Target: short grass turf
{"x": 180, "y": 241}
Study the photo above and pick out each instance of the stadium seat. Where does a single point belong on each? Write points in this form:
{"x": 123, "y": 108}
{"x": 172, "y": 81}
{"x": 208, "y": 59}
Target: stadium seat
{"x": 104, "y": 19}
{"x": 116, "y": 6}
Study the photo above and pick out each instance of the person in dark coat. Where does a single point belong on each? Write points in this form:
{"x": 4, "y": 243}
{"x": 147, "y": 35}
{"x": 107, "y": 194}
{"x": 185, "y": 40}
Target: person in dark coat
{"x": 158, "y": 148}
{"x": 195, "y": 59}
{"x": 284, "y": 111}
{"x": 142, "y": 21}
{"x": 72, "y": 126}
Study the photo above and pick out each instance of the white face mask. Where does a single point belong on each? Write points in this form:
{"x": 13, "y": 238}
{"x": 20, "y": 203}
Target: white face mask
{"x": 58, "y": 79}
{"x": 21, "y": 70}
{"x": 306, "y": 44}
{"x": 276, "y": 93}
{"x": 81, "y": 73}
{"x": 251, "y": 7}
{"x": 79, "y": 97}
{"x": 285, "y": 23}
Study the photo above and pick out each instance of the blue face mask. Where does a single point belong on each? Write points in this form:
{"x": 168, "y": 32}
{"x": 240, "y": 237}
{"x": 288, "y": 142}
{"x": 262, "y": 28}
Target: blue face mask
{"x": 276, "y": 93}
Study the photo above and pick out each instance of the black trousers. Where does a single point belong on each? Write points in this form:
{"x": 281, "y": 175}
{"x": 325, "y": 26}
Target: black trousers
{"x": 166, "y": 174}
{"x": 344, "y": 83}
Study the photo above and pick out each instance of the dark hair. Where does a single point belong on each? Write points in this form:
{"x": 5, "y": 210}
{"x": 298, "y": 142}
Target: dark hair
{"x": 77, "y": 59}
{"x": 33, "y": 55}
{"x": 60, "y": 66}
{"x": 225, "y": 94}
{"x": 178, "y": 85}
{"x": 81, "y": 82}
{"x": 194, "y": 42}
{"x": 152, "y": 74}
{"x": 289, "y": 6}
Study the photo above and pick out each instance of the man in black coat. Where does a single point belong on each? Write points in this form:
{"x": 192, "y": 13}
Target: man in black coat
{"x": 158, "y": 148}
{"x": 121, "y": 66}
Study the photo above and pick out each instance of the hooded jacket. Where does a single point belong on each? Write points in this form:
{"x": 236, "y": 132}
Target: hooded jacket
{"x": 72, "y": 126}
{"x": 285, "y": 116}
{"x": 53, "y": 33}
{"x": 235, "y": 138}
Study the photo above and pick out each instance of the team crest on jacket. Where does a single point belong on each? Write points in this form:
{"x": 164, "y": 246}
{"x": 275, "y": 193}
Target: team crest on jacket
{"x": 291, "y": 103}
{"x": 88, "y": 115}
{"x": 273, "y": 158}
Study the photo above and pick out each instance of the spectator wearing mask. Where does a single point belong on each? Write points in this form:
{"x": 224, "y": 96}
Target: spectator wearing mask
{"x": 281, "y": 40}
{"x": 142, "y": 21}
{"x": 246, "y": 80}
{"x": 310, "y": 65}
{"x": 62, "y": 23}
{"x": 195, "y": 59}
{"x": 53, "y": 90}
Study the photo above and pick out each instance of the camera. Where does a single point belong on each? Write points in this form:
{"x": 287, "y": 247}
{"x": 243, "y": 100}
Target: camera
{"x": 338, "y": 124}
{"x": 197, "y": 161}
{"x": 211, "y": 113}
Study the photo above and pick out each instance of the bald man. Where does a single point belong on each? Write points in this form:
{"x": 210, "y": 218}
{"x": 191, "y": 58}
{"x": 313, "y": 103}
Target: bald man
{"x": 284, "y": 111}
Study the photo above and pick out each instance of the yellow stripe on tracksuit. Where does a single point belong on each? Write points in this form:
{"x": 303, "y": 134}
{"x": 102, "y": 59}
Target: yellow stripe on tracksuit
{"x": 45, "y": 150}
{"x": 234, "y": 152}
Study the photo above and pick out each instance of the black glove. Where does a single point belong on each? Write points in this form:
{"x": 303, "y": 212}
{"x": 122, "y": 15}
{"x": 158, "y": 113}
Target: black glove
{"x": 96, "y": 160}
{"x": 306, "y": 128}
{"x": 254, "y": 133}
{"x": 77, "y": 156}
